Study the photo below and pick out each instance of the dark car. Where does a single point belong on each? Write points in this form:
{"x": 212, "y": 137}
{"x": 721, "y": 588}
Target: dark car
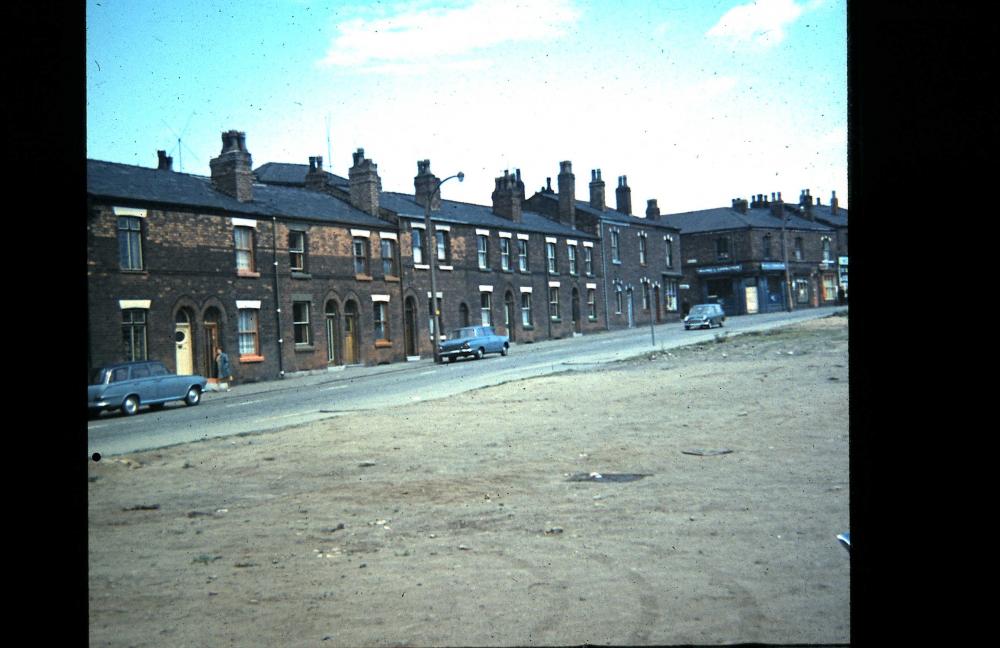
{"x": 130, "y": 385}
{"x": 705, "y": 315}
{"x": 474, "y": 341}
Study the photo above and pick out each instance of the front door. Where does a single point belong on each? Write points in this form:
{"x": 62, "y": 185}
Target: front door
{"x": 751, "y": 297}
{"x": 410, "y": 326}
{"x": 182, "y": 340}
{"x": 575, "y": 308}
{"x": 508, "y": 314}
{"x": 351, "y": 334}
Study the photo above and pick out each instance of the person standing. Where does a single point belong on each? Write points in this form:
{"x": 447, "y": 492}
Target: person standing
{"x": 222, "y": 366}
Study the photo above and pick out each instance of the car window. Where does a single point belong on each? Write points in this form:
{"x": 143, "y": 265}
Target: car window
{"x": 140, "y": 371}
{"x": 488, "y": 330}
{"x": 98, "y": 376}
{"x": 157, "y": 369}
{"x": 120, "y": 374}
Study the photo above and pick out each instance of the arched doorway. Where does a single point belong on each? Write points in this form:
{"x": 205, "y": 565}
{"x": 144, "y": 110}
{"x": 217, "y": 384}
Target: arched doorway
{"x": 351, "y": 333}
{"x": 508, "y": 314}
{"x": 575, "y": 307}
{"x": 183, "y": 341}
{"x": 410, "y": 326}
{"x": 211, "y": 325}
{"x": 463, "y": 314}
{"x": 333, "y": 352}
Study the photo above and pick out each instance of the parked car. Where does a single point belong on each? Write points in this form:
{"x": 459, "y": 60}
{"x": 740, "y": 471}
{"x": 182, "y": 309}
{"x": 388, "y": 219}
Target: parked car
{"x": 704, "y": 315}
{"x": 475, "y": 341}
{"x": 130, "y": 385}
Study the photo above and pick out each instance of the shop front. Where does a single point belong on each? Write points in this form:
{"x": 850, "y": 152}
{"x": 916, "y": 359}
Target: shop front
{"x": 744, "y": 289}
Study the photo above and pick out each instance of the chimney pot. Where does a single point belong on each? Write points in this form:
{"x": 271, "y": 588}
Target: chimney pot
{"x": 232, "y": 170}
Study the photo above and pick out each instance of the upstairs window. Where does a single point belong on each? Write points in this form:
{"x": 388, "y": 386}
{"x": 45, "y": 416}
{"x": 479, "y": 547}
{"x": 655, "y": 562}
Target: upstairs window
{"x": 588, "y": 261}
{"x": 360, "y": 255}
{"x": 297, "y": 251}
{"x": 827, "y": 255}
{"x": 130, "y": 242}
{"x": 505, "y": 254}
{"x": 722, "y": 248}
{"x": 417, "y": 237}
{"x": 522, "y": 255}
{"x": 550, "y": 255}
{"x": 615, "y": 247}
{"x": 243, "y": 241}
{"x": 482, "y": 251}
{"x": 642, "y": 248}
{"x": 389, "y": 258}
{"x": 766, "y": 247}
{"x": 443, "y": 246}
{"x": 668, "y": 252}
{"x": 798, "y": 249}
{"x": 571, "y": 258}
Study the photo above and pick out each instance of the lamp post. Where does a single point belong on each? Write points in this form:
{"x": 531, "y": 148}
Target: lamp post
{"x": 432, "y": 253}
{"x": 648, "y": 286}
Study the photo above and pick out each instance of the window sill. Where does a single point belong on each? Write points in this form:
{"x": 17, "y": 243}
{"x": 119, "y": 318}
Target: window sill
{"x": 134, "y": 271}
{"x": 421, "y": 266}
{"x": 383, "y": 344}
{"x": 528, "y": 328}
{"x": 446, "y": 267}
{"x": 247, "y": 274}
{"x": 298, "y": 274}
{"x": 616, "y": 261}
{"x": 362, "y": 277}
{"x": 391, "y": 278}
{"x": 305, "y": 348}
{"x": 251, "y": 358}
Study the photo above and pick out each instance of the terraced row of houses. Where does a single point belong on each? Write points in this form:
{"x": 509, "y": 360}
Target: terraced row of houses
{"x": 290, "y": 268}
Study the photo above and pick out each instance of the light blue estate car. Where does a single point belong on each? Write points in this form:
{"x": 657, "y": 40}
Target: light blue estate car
{"x": 475, "y": 341}
{"x": 129, "y": 385}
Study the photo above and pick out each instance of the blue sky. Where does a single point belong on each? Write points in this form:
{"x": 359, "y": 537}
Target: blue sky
{"x": 696, "y": 102}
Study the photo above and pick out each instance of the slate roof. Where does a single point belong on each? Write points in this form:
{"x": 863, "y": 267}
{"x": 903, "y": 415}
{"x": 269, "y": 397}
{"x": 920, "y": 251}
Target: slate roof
{"x": 135, "y": 184}
{"x": 478, "y": 216}
{"x": 607, "y": 214}
{"x": 727, "y": 218}
{"x": 291, "y": 174}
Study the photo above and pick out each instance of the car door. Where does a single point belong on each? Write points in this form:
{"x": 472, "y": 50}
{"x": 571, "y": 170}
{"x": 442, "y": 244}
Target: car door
{"x": 166, "y": 384}
{"x": 143, "y": 384}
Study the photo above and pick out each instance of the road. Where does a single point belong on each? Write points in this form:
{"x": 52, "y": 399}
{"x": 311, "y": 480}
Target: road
{"x": 274, "y": 405}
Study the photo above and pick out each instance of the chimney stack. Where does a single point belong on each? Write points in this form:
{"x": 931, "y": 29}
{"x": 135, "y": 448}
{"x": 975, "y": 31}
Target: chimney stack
{"x": 508, "y": 197}
{"x": 365, "y": 184}
{"x": 777, "y": 206}
{"x": 166, "y": 163}
{"x": 623, "y": 196}
{"x": 596, "y": 190}
{"x": 834, "y": 205}
{"x": 232, "y": 172}
{"x": 425, "y": 184}
{"x": 567, "y": 194}
{"x": 316, "y": 176}
{"x": 740, "y": 205}
{"x": 806, "y": 202}
{"x": 652, "y": 210}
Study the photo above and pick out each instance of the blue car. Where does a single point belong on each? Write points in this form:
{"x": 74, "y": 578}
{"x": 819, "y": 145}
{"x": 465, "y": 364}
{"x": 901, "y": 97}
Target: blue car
{"x": 474, "y": 341}
{"x": 127, "y": 386}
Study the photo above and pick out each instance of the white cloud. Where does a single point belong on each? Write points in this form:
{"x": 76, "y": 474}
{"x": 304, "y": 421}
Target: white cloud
{"x": 762, "y": 22}
{"x": 429, "y": 33}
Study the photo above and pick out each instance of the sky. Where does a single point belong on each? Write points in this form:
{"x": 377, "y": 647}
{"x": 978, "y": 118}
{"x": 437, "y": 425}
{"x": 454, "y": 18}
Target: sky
{"x": 696, "y": 102}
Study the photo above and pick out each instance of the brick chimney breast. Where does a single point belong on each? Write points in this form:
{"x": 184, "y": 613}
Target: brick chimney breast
{"x": 165, "y": 162}
{"x": 623, "y": 196}
{"x": 364, "y": 183}
{"x": 425, "y": 185}
{"x": 316, "y": 177}
{"x": 652, "y": 210}
{"x": 596, "y": 190}
{"x": 834, "y": 204}
{"x": 508, "y": 197}
{"x": 567, "y": 194}
{"x": 232, "y": 171}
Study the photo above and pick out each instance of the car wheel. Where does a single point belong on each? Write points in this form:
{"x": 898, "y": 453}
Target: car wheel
{"x": 193, "y": 397}
{"x": 503, "y": 350}
{"x": 479, "y": 354}
{"x": 451, "y": 359}
{"x": 130, "y": 406}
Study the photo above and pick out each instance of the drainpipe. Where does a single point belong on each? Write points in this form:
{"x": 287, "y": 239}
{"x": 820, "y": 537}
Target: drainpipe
{"x": 277, "y": 298}
{"x": 604, "y": 269}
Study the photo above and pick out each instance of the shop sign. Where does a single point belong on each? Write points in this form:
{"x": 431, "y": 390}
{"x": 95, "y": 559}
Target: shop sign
{"x": 720, "y": 269}
{"x": 772, "y": 265}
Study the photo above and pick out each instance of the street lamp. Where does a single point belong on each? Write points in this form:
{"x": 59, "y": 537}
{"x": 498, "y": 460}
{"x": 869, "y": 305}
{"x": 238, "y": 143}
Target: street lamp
{"x": 432, "y": 253}
{"x": 648, "y": 286}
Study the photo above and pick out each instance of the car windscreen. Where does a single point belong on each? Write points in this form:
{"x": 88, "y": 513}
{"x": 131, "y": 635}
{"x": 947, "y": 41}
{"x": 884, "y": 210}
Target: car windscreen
{"x": 463, "y": 333}
{"x": 700, "y": 310}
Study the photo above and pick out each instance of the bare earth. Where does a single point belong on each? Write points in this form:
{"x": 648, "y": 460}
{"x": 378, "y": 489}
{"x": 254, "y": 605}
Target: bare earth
{"x": 448, "y": 523}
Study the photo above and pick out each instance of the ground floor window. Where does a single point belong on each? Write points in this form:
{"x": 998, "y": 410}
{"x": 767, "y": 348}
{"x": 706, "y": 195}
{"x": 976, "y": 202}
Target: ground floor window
{"x": 618, "y": 300}
{"x": 554, "y": 303}
{"x": 526, "y": 319}
{"x": 249, "y": 333}
{"x": 670, "y": 295}
{"x": 592, "y": 304}
{"x": 134, "y": 333}
{"x": 802, "y": 291}
{"x": 300, "y": 318}
{"x": 829, "y": 287}
{"x": 484, "y": 308}
{"x": 380, "y": 312}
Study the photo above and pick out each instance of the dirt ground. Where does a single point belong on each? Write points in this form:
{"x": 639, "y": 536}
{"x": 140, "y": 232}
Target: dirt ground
{"x": 476, "y": 521}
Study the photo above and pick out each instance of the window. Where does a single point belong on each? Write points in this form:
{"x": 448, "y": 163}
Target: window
{"x": 130, "y": 242}
{"x": 389, "y": 258}
{"x": 802, "y": 291}
{"x": 484, "y": 308}
{"x": 418, "y": 245}
{"x": 360, "y": 255}
{"x": 522, "y": 255}
{"x": 134, "y": 333}
{"x": 505, "y": 254}
{"x": 766, "y": 251}
{"x": 592, "y": 304}
{"x": 554, "y": 303}
{"x": 642, "y": 249}
{"x": 829, "y": 287}
{"x": 618, "y": 300}
{"x": 443, "y": 247}
{"x": 826, "y": 250}
{"x": 615, "y": 247}
{"x": 380, "y": 314}
{"x": 300, "y": 321}
{"x": 571, "y": 258}
{"x": 249, "y": 334}
{"x": 722, "y": 250}
{"x": 668, "y": 252}
{"x": 588, "y": 261}
{"x": 297, "y": 251}
{"x": 243, "y": 240}
{"x": 670, "y": 294}
{"x": 482, "y": 249}
{"x": 798, "y": 248}
{"x": 526, "y": 319}
{"x": 550, "y": 255}
{"x": 645, "y": 296}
